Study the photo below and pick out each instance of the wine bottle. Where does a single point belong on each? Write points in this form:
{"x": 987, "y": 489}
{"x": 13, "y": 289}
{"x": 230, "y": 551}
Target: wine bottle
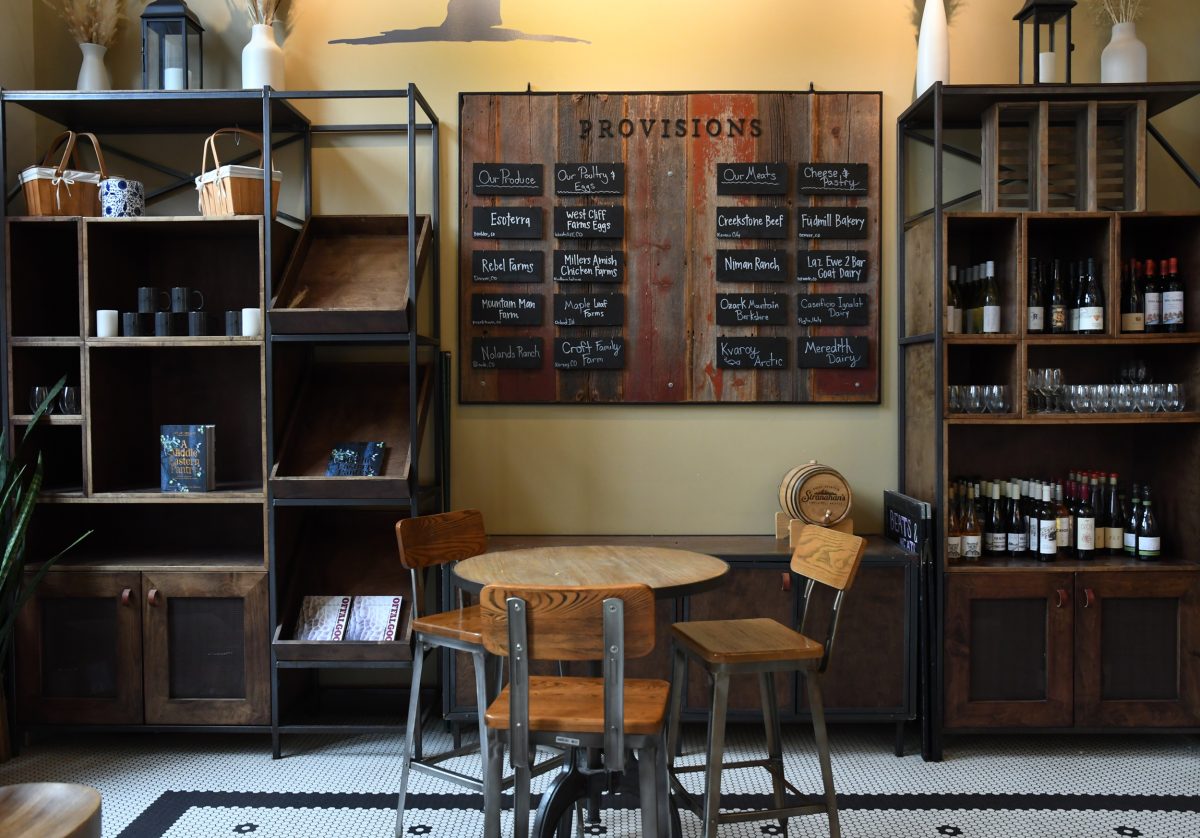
{"x": 1149, "y": 540}
{"x": 995, "y": 539}
{"x": 1133, "y": 315}
{"x": 1172, "y": 298}
{"x": 1152, "y": 299}
{"x": 1073, "y": 298}
{"x": 972, "y": 535}
{"x": 976, "y": 310}
{"x": 1131, "y": 523}
{"x": 953, "y": 528}
{"x": 1058, "y": 302}
{"x": 1034, "y": 306}
{"x": 953, "y": 311}
{"x": 991, "y": 300}
{"x": 1047, "y": 527}
{"x": 1091, "y": 302}
{"x": 1085, "y": 528}
{"x": 1063, "y": 521}
{"x": 1032, "y": 515}
{"x": 1017, "y": 531}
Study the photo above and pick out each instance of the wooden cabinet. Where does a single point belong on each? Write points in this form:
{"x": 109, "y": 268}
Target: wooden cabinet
{"x": 154, "y": 647}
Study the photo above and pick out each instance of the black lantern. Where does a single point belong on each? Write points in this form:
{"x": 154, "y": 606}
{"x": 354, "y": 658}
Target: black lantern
{"x": 1046, "y": 13}
{"x": 172, "y": 47}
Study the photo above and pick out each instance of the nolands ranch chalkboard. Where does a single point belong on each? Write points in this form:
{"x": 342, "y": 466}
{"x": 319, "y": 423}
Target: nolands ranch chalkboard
{"x": 686, "y": 248}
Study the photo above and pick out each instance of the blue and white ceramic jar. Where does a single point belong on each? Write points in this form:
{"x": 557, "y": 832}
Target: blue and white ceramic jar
{"x": 122, "y": 198}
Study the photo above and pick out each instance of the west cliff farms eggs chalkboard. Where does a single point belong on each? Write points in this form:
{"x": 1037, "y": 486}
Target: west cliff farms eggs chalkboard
{"x": 673, "y": 248}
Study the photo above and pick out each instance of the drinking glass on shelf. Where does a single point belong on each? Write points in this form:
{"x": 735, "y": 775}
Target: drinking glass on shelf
{"x": 1080, "y": 398}
{"x": 996, "y": 398}
{"x": 1032, "y": 384}
{"x": 1145, "y": 398}
{"x": 1054, "y": 389}
{"x": 955, "y": 398}
{"x": 1173, "y": 399}
{"x": 973, "y": 398}
{"x": 38, "y": 395}
{"x": 1101, "y": 398}
{"x": 68, "y": 401}
{"x": 1123, "y": 398}
{"x": 1139, "y": 373}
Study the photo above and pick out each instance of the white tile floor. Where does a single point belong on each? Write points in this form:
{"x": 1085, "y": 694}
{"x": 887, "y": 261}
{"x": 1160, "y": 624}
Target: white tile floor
{"x": 357, "y": 776}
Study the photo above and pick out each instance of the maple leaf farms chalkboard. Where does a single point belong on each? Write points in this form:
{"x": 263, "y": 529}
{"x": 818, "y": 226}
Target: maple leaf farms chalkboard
{"x": 589, "y": 309}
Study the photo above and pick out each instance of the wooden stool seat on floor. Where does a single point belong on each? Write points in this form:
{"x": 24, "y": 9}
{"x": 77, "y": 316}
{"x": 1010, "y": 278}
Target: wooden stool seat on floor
{"x": 745, "y": 641}
{"x": 49, "y": 810}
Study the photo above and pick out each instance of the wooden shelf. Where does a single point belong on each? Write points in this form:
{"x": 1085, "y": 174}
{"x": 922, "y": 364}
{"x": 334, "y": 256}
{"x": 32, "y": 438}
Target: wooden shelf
{"x": 47, "y": 342}
{"x": 206, "y": 342}
{"x": 1007, "y": 339}
{"x": 54, "y": 419}
{"x": 1114, "y": 340}
{"x": 1159, "y": 418}
{"x": 1102, "y": 563}
{"x": 346, "y": 650}
{"x": 153, "y": 495}
{"x": 81, "y": 560}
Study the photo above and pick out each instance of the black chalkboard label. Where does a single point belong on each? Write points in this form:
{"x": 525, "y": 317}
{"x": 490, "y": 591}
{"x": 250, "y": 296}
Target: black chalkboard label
{"x": 906, "y": 521}
{"x": 751, "y": 223}
{"x": 833, "y": 179}
{"x": 831, "y": 309}
{"x": 507, "y": 178}
{"x": 506, "y": 222}
{"x": 751, "y": 179}
{"x": 589, "y": 178}
{"x": 833, "y": 223}
{"x": 831, "y": 266}
{"x": 589, "y": 309}
{"x": 602, "y": 222}
{"x": 589, "y": 265}
{"x": 751, "y": 309}
{"x": 752, "y": 353}
{"x": 506, "y": 353}
{"x": 751, "y": 266}
{"x": 832, "y": 353}
{"x": 508, "y": 266}
{"x": 506, "y": 309}
{"x": 589, "y": 353}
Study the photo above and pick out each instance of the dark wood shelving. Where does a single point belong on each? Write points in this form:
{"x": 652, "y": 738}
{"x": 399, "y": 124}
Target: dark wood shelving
{"x": 1100, "y": 563}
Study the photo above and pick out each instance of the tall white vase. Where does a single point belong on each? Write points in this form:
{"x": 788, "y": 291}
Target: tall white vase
{"x": 933, "y": 47}
{"x": 1124, "y": 59}
{"x": 93, "y": 75}
{"x": 262, "y": 59}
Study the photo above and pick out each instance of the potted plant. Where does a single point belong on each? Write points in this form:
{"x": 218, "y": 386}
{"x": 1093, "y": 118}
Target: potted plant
{"x": 1123, "y": 61}
{"x": 21, "y": 477}
{"x": 262, "y": 58}
{"x": 93, "y": 24}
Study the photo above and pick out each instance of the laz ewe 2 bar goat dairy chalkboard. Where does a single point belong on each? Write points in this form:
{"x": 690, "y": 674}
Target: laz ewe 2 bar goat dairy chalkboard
{"x": 669, "y": 248}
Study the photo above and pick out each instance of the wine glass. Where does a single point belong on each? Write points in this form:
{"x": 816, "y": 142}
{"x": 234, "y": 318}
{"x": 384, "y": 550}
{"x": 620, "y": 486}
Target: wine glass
{"x": 1054, "y": 388}
{"x": 38, "y": 395}
{"x": 1101, "y": 398}
{"x": 68, "y": 401}
{"x": 973, "y": 399}
{"x": 1145, "y": 399}
{"x": 1173, "y": 398}
{"x": 993, "y": 396}
{"x": 956, "y": 398}
{"x": 1139, "y": 373}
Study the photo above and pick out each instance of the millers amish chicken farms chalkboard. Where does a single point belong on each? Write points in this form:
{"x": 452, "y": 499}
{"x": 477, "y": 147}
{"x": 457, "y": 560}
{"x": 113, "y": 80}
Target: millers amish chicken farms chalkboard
{"x": 669, "y": 247}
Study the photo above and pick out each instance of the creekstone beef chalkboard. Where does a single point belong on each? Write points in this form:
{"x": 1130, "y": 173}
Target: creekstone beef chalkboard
{"x": 508, "y": 266}
{"x": 589, "y": 179}
{"x": 589, "y": 266}
{"x": 507, "y": 178}
{"x": 670, "y": 225}
{"x": 506, "y": 309}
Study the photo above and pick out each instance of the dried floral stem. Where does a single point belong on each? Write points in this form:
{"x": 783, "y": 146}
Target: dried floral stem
{"x": 90, "y": 21}
{"x": 263, "y": 11}
{"x": 1118, "y": 11}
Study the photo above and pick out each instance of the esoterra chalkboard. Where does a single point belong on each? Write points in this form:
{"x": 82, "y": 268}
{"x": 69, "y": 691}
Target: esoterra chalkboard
{"x": 506, "y": 223}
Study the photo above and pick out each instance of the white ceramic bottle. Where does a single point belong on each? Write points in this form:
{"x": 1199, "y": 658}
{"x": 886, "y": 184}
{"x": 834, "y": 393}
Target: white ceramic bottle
{"x": 262, "y": 59}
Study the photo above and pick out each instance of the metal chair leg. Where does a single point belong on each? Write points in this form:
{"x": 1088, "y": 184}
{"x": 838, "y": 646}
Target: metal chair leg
{"x": 648, "y": 790}
{"x": 662, "y": 787}
{"x": 716, "y": 753}
{"x": 675, "y": 708}
{"x": 770, "y": 706}
{"x": 817, "y": 708}
{"x": 494, "y": 749}
{"x": 521, "y": 801}
{"x": 411, "y": 725}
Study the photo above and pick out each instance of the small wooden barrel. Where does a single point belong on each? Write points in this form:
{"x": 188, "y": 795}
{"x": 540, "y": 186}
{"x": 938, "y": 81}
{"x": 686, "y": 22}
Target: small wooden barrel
{"x": 815, "y": 494}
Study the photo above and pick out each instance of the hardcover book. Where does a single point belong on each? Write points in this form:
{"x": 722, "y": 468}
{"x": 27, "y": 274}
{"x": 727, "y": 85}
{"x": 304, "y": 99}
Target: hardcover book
{"x": 374, "y": 618}
{"x": 186, "y": 458}
{"x": 355, "y": 459}
{"x": 322, "y": 618}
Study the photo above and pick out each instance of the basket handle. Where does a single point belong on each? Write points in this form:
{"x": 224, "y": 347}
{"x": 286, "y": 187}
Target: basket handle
{"x": 211, "y": 143}
{"x": 99, "y": 154}
{"x": 69, "y": 152}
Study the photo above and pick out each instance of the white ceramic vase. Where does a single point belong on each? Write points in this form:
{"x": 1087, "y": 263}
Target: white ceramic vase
{"x": 933, "y": 47}
{"x": 1124, "y": 59}
{"x": 262, "y": 59}
{"x": 93, "y": 75}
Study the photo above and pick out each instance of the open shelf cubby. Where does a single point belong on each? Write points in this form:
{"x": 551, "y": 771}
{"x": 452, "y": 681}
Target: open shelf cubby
{"x": 41, "y": 366}
{"x": 985, "y": 364}
{"x": 1166, "y": 235}
{"x": 43, "y": 271}
{"x": 972, "y": 239}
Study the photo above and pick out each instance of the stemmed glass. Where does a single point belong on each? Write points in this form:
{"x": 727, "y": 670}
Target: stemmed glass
{"x": 1054, "y": 387}
{"x": 1033, "y": 383}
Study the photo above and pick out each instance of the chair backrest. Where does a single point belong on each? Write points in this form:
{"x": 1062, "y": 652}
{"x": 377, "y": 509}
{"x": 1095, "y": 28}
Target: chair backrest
{"x": 606, "y": 623}
{"x": 828, "y": 556}
{"x": 431, "y": 540}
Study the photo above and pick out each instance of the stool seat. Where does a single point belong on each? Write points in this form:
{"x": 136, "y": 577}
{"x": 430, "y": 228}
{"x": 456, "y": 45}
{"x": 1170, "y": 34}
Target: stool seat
{"x": 50, "y": 810}
{"x": 460, "y": 624}
{"x": 577, "y": 704}
{"x": 732, "y": 642}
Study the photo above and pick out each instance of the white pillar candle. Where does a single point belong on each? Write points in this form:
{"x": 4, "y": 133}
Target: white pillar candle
{"x": 106, "y": 323}
{"x": 1048, "y": 68}
{"x": 251, "y": 322}
{"x": 173, "y": 78}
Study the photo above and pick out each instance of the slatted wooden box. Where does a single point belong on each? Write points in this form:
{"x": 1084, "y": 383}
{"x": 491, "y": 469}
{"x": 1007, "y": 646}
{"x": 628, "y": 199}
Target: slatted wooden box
{"x": 1064, "y": 157}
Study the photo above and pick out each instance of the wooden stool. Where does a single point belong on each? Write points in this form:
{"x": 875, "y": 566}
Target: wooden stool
{"x": 49, "y": 810}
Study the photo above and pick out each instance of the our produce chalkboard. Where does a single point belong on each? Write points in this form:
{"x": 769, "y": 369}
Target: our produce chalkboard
{"x": 669, "y": 248}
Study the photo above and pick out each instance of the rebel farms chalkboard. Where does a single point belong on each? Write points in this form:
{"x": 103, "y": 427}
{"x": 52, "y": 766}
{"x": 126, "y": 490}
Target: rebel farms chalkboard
{"x": 669, "y": 248}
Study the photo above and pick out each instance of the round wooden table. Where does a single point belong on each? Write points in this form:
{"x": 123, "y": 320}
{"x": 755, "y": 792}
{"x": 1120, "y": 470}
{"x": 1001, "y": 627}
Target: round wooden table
{"x": 50, "y": 810}
{"x": 669, "y": 572}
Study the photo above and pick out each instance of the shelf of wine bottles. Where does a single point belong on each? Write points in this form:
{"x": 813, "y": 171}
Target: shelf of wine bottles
{"x": 1084, "y": 516}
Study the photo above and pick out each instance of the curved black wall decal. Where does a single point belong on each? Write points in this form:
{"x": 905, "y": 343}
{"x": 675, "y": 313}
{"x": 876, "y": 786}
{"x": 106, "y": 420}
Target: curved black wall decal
{"x": 466, "y": 20}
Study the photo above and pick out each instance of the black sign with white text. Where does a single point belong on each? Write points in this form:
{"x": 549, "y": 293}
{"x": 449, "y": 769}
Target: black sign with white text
{"x": 589, "y": 353}
{"x": 589, "y": 309}
{"x": 752, "y": 309}
{"x": 751, "y": 266}
{"x": 506, "y": 222}
{"x": 507, "y": 353}
{"x": 832, "y": 223}
{"x": 589, "y": 178}
{"x": 752, "y": 353}
{"x": 832, "y": 353}
{"x": 751, "y": 223}
{"x": 589, "y": 265}
{"x": 601, "y": 222}
{"x": 508, "y": 266}
{"x": 831, "y": 309}
{"x": 506, "y": 309}
{"x": 833, "y": 178}
{"x": 751, "y": 179}
{"x": 507, "y": 178}
{"x": 831, "y": 266}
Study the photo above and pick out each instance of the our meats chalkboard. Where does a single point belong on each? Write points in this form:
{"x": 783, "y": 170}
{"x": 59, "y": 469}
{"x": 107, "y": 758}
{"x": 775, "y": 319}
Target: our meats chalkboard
{"x": 690, "y": 248}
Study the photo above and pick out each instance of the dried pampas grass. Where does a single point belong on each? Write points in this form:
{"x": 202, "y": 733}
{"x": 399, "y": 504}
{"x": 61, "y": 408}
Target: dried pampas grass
{"x": 1118, "y": 11}
{"x": 90, "y": 21}
{"x": 263, "y": 11}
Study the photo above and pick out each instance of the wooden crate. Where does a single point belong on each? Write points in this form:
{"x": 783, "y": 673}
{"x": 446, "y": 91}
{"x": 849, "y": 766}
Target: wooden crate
{"x": 349, "y": 274}
{"x": 1064, "y": 157}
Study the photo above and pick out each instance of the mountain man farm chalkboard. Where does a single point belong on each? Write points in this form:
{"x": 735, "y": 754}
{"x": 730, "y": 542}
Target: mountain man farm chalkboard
{"x": 669, "y": 248}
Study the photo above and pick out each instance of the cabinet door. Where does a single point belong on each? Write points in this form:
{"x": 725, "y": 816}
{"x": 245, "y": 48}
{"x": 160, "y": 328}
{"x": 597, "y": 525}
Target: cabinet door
{"x": 205, "y": 640}
{"x": 79, "y": 650}
{"x": 1137, "y": 649}
{"x": 1008, "y": 649}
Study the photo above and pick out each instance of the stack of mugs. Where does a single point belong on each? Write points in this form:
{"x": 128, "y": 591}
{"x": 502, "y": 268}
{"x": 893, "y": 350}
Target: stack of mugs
{"x": 175, "y": 313}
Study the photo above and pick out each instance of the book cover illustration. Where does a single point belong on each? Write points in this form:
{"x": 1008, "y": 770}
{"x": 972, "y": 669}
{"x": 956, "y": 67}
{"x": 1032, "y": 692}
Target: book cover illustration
{"x": 355, "y": 459}
{"x": 186, "y": 458}
{"x": 322, "y": 618}
{"x": 374, "y": 618}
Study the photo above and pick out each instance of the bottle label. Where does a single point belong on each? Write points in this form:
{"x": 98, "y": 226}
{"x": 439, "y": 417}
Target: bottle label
{"x": 1130, "y": 542}
{"x": 971, "y": 546}
{"x": 1172, "y": 308}
{"x": 1033, "y": 532}
{"x": 1148, "y": 545}
{"x": 997, "y": 542}
{"x": 1063, "y": 531}
{"x": 1037, "y": 319}
{"x": 1091, "y": 319}
{"x": 1153, "y": 309}
{"x": 991, "y": 320}
{"x": 1018, "y": 542}
{"x": 1073, "y": 319}
{"x": 1058, "y": 317}
{"x": 1135, "y": 322}
{"x": 953, "y": 547}
{"x": 1114, "y": 538}
{"x": 952, "y": 320}
{"x": 1047, "y": 537}
{"x": 1085, "y": 534}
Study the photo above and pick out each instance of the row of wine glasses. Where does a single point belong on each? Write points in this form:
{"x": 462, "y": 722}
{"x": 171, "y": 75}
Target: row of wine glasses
{"x": 67, "y": 402}
{"x": 1125, "y": 398}
{"x": 980, "y": 398}
{"x": 1045, "y": 388}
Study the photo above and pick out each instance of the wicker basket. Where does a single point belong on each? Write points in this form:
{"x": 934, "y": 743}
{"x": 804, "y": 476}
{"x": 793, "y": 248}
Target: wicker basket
{"x": 64, "y": 189}
{"x": 233, "y": 190}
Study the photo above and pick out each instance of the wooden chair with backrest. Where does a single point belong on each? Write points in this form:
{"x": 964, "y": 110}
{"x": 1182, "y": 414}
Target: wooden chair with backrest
{"x": 762, "y": 647}
{"x": 610, "y": 713}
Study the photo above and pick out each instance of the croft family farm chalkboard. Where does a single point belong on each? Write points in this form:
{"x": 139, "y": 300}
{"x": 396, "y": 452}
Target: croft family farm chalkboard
{"x": 669, "y": 248}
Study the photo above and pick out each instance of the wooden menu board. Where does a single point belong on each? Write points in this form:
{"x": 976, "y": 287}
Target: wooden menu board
{"x": 679, "y": 248}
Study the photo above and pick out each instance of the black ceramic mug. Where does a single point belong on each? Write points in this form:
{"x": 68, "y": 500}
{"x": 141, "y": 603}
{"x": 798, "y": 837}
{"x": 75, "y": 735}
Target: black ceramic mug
{"x": 129, "y": 324}
{"x": 186, "y": 299}
{"x": 150, "y": 300}
{"x": 197, "y": 323}
{"x": 162, "y": 324}
{"x": 233, "y": 323}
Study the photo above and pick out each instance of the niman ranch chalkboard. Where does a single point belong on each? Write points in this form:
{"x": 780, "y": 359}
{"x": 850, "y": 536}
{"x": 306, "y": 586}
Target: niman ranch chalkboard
{"x": 669, "y": 248}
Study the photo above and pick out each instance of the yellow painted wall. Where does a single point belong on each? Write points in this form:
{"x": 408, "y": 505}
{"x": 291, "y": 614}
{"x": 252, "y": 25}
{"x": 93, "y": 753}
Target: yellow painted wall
{"x": 17, "y": 73}
{"x": 650, "y": 469}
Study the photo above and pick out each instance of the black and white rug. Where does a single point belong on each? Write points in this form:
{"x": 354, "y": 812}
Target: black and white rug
{"x": 988, "y": 787}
